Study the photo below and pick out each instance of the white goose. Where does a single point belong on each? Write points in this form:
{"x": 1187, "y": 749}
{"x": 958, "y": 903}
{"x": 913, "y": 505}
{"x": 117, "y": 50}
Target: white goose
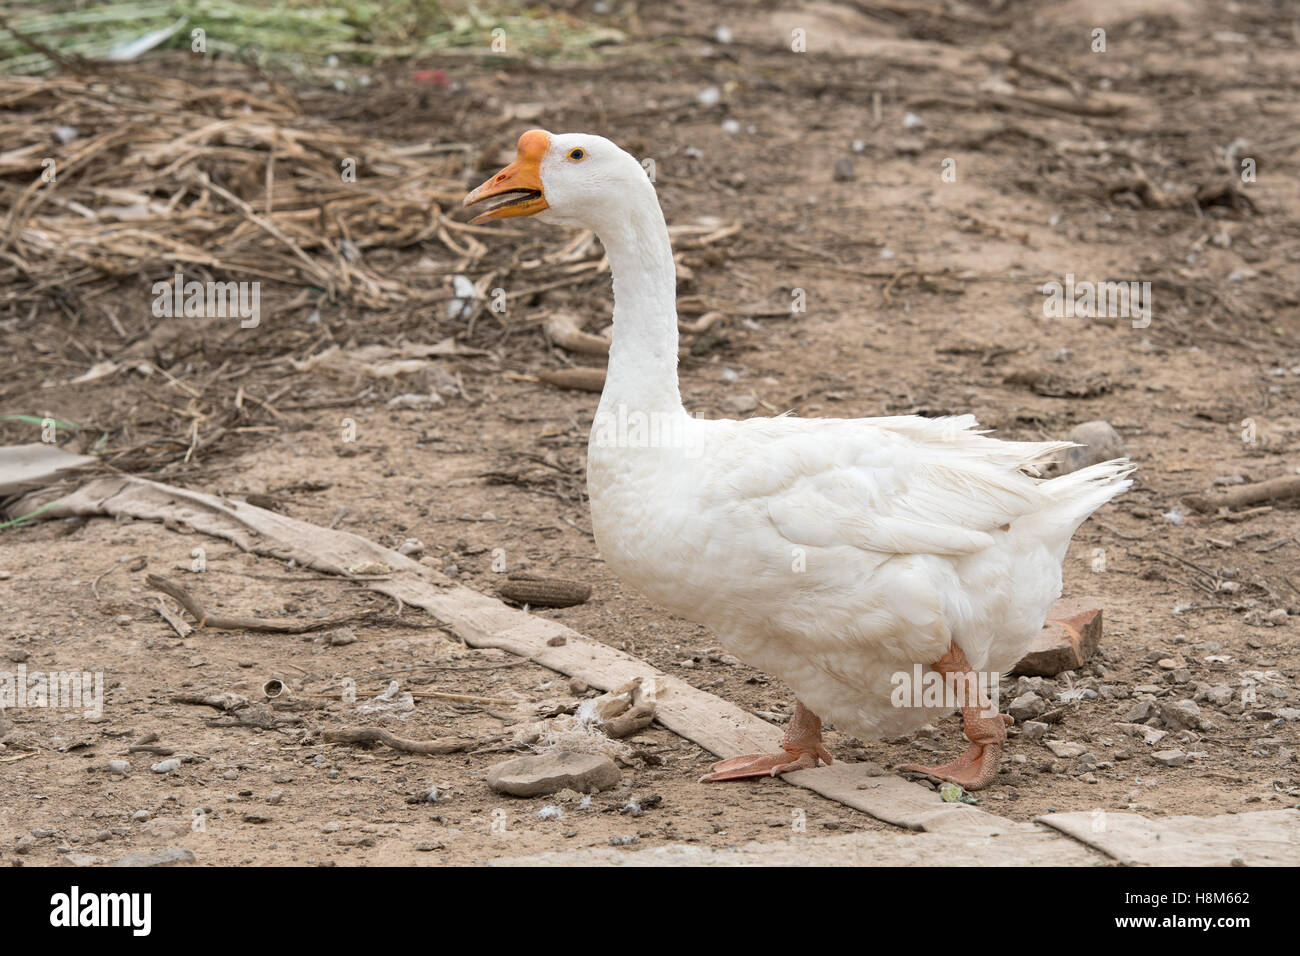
{"x": 835, "y": 554}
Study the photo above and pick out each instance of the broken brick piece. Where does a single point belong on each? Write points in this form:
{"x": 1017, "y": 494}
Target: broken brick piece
{"x": 1070, "y": 635}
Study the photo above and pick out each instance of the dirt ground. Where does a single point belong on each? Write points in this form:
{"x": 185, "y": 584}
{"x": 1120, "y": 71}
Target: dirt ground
{"x": 923, "y": 296}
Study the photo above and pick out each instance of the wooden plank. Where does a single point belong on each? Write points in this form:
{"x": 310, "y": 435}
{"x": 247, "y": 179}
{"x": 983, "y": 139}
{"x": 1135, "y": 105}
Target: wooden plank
{"x": 1263, "y": 838}
{"x": 24, "y": 467}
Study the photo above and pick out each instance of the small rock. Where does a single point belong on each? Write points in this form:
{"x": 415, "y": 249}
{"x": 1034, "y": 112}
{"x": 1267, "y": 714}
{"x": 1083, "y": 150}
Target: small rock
{"x": 740, "y": 404}
{"x": 546, "y": 773}
{"x": 339, "y": 636}
{"x": 119, "y": 767}
{"x": 1027, "y": 707}
{"x": 81, "y": 859}
{"x": 1276, "y": 617}
{"x": 1153, "y": 736}
{"x": 1181, "y": 715}
{"x": 1033, "y": 730}
{"x": 1169, "y": 758}
{"x": 140, "y": 816}
{"x": 844, "y": 170}
{"x": 170, "y": 856}
{"x": 411, "y": 546}
{"x": 165, "y": 828}
{"x": 166, "y": 766}
{"x": 1216, "y": 694}
{"x": 1066, "y": 749}
{"x": 1141, "y": 710}
{"x": 1100, "y": 442}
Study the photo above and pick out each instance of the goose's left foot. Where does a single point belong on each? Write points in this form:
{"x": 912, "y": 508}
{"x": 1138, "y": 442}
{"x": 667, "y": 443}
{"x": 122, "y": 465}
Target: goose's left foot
{"x": 976, "y": 768}
{"x": 801, "y": 749}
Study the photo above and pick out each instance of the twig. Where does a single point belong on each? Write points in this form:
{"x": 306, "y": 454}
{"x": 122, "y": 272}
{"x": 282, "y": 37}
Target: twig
{"x": 377, "y": 735}
{"x": 224, "y": 623}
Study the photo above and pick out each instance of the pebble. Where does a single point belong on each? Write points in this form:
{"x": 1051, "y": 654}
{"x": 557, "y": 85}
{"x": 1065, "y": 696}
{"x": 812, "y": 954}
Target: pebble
{"x": 119, "y": 767}
{"x": 1033, "y": 730}
{"x": 844, "y": 170}
{"x": 1027, "y": 707}
{"x": 166, "y": 766}
{"x": 140, "y": 816}
{"x": 533, "y": 776}
{"x": 1181, "y": 715}
{"x": 1065, "y": 748}
{"x": 340, "y": 636}
{"x": 1169, "y": 758}
{"x": 1216, "y": 694}
{"x": 1141, "y": 710}
{"x": 1099, "y": 442}
{"x": 81, "y": 859}
{"x": 740, "y": 404}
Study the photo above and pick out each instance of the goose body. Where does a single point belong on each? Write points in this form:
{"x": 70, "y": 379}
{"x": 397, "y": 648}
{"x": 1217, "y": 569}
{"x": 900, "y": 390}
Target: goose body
{"x": 837, "y": 553}
{"x": 834, "y": 554}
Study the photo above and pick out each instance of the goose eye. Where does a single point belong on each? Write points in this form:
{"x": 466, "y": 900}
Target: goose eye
{"x": 577, "y": 153}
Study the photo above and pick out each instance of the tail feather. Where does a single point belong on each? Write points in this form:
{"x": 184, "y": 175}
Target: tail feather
{"x": 1082, "y": 492}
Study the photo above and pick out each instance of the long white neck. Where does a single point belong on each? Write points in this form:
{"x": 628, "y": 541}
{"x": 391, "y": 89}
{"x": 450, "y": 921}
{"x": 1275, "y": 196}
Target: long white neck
{"x": 642, "y": 370}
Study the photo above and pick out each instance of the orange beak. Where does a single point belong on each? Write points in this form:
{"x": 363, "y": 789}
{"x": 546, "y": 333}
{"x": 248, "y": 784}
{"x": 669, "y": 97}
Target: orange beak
{"x": 519, "y": 185}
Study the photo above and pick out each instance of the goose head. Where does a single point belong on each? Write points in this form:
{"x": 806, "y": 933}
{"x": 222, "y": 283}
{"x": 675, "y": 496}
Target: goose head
{"x": 572, "y": 179}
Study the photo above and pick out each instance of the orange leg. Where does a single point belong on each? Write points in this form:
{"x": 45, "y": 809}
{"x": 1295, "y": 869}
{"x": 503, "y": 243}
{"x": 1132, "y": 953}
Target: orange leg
{"x": 976, "y": 768}
{"x": 801, "y": 746}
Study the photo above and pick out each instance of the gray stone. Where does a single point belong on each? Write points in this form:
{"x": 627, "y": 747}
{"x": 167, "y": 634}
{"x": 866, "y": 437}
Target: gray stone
{"x": 1027, "y": 706}
{"x": 1033, "y": 730}
{"x": 1181, "y": 715}
{"x": 1141, "y": 710}
{"x": 546, "y": 773}
{"x": 119, "y": 767}
{"x": 1066, "y": 749}
{"x": 740, "y": 404}
{"x": 1098, "y": 442}
{"x": 169, "y": 856}
{"x": 1169, "y": 758}
{"x": 81, "y": 859}
{"x": 339, "y": 636}
{"x": 1216, "y": 694}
